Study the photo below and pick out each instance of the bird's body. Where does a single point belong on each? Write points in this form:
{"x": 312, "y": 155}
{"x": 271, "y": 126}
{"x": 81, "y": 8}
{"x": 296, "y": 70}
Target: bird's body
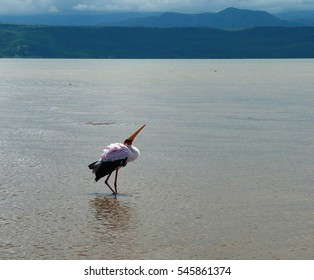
{"x": 114, "y": 157}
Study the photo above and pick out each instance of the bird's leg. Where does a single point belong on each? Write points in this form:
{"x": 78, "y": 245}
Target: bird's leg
{"x": 106, "y": 182}
{"x": 115, "y": 182}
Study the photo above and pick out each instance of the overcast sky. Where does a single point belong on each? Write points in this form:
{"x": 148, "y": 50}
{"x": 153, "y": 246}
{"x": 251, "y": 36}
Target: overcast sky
{"x": 9, "y": 7}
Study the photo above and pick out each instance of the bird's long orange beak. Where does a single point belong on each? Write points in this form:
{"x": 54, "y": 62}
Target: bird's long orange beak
{"x": 131, "y": 138}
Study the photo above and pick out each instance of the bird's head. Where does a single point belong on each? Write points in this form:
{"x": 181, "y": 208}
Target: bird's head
{"x": 129, "y": 141}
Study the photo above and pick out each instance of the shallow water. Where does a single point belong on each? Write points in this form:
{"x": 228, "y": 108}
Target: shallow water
{"x": 226, "y": 166}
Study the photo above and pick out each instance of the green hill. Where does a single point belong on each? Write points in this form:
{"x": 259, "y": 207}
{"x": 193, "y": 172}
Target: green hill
{"x": 140, "y": 42}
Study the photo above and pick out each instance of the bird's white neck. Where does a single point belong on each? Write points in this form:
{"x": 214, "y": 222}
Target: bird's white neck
{"x": 135, "y": 153}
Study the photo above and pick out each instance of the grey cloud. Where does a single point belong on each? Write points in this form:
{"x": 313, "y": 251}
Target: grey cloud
{"x": 46, "y": 6}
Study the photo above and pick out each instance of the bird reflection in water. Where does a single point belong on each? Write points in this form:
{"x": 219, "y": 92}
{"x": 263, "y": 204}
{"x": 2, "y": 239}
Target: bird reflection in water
{"x": 111, "y": 212}
{"x": 113, "y": 226}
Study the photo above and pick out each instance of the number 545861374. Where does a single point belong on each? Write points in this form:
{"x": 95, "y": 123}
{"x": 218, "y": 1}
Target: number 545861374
{"x": 196, "y": 270}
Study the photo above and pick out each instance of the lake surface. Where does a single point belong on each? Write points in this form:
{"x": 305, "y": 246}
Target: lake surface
{"x": 226, "y": 166}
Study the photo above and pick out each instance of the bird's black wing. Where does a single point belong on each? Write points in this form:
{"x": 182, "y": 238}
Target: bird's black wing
{"x": 103, "y": 168}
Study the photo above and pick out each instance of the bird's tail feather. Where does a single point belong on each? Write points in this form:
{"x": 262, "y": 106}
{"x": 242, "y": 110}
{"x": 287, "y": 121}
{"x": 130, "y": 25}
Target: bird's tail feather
{"x": 92, "y": 165}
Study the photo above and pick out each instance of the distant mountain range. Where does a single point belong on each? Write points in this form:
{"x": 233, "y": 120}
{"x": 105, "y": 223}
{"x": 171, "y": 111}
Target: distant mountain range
{"x": 230, "y": 18}
{"x": 231, "y": 33}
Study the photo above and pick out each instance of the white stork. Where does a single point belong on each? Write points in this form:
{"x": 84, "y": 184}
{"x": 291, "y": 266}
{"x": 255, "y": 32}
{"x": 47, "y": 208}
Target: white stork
{"x": 114, "y": 157}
